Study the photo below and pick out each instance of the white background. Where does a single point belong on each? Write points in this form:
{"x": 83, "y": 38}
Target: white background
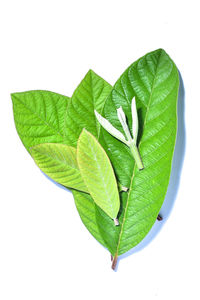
{"x": 45, "y": 251}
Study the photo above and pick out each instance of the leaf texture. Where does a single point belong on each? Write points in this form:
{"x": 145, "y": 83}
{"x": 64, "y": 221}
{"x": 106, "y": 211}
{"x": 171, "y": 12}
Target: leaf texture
{"x": 87, "y": 211}
{"x": 154, "y": 81}
{"x": 59, "y": 162}
{"x": 98, "y": 174}
{"x": 89, "y": 95}
{"x": 39, "y": 117}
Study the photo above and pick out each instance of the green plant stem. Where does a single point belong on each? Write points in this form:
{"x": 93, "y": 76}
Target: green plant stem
{"x": 136, "y": 155}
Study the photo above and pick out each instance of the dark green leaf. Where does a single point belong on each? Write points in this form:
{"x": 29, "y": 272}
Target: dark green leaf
{"x": 154, "y": 81}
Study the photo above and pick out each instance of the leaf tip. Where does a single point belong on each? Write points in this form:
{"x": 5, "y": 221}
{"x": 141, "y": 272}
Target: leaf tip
{"x": 13, "y": 96}
{"x": 83, "y": 134}
{"x": 91, "y": 73}
{"x": 84, "y": 131}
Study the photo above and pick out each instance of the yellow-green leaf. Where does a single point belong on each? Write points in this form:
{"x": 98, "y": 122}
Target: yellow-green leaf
{"x": 59, "y": 163}
{"x": 98, "y": 174}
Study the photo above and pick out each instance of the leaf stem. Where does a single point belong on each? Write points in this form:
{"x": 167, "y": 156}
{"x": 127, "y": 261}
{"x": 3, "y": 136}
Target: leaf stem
{"x": 114, "y": 262}
{"x": 159, "y": 217}
{"x": 136, "y": 155}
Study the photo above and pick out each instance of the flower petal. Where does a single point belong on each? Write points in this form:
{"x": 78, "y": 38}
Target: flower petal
{"x": 122, "y": 119}
{"x": 134, "y": 120}
{"x": 110, "y": 128}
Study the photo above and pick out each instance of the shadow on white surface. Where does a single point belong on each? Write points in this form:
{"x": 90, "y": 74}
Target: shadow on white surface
{"x": 173, "y": 187}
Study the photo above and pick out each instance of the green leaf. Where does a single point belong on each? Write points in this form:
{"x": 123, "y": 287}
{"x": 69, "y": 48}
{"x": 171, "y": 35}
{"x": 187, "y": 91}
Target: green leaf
{"x": 87, "y": 210}
{"x": 154, "y": 81}
{"x": 89, "y": 95}
{"x": 98, "y": 174}
{"x": 39, "y": 117}
{"x": 59, "y": 163}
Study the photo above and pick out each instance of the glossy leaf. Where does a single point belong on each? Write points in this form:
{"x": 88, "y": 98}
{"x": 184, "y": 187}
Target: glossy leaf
{"x": 154, "y": 81}
{"x": 89, "y": 95}
{"x": 39, "y": 117}
{"x": 98, "y": 174}
{"x": 59, "y": 163}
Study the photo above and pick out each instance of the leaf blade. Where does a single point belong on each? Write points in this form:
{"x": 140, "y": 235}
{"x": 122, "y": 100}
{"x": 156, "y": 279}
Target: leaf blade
{"x": 153, "y": 80}
{"x": 87, "y": 210}
{"x": 90, "y": 95}
{"x": 39, "y": 116}
{"x": 98, "y": 174}
{"x": 59, "y": 162}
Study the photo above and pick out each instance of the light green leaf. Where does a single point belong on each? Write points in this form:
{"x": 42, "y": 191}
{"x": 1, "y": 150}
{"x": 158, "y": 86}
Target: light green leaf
{"x": 97, "y": 173}
{"x": 59, "y": 163}
{"x": 39, "y": 117}
{"x": 90, "y": 95}
{"x": 154, "y": 82}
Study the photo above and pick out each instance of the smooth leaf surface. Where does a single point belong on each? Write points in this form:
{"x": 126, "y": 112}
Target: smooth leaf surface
{"x": 87, "y": 210}
{"x": 98, "y": 174}
{"x": 154, "y": 81}
{"x": 89, "y": 95}
{"x": 39, "y": 117}
{"x": 59, "y": 163}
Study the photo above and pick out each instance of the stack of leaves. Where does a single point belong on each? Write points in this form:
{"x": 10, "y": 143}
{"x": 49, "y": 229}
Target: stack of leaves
{"x": 112, "y": 146}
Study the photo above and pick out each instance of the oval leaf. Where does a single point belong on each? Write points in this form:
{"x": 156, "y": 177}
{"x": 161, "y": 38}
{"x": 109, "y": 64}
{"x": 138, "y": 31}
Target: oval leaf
{"x": 97, "y": 173}
{"x": 154, "y": 82}
{"x": 59, "y": 163}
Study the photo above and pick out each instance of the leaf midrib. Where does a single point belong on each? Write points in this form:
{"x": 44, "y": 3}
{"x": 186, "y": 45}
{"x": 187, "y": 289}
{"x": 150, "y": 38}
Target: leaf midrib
{"x": 57, "y": 160}
{"x": 130, "y": 190}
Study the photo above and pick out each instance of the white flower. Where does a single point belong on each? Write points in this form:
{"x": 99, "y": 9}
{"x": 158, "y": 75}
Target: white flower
{"x": 110, "y": 128}
{"x": 134, "y": 120}
{"x": 122, "y": 119}
{"x": 129, "y": 140}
